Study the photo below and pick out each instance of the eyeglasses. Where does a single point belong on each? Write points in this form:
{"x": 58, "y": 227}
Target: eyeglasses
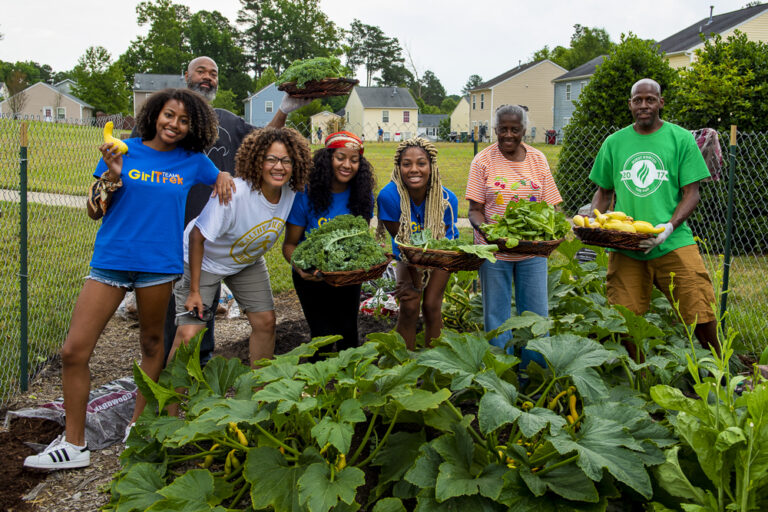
{"x": 207, "y": 315}
{"x": 271, "y": 161}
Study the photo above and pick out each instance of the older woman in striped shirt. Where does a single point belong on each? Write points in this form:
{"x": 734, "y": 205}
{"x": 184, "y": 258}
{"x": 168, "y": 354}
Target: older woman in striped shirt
{"x": 510, "y": 170}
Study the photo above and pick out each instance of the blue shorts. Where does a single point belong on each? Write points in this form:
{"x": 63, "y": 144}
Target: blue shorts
{"x": 130, "y": 279}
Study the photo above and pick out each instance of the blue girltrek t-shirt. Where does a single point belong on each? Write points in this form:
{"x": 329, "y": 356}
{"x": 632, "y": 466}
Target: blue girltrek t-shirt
{"x": 389, "y": 210}
{"x": 302, "y": 214}
{"x": 143, "y": 227}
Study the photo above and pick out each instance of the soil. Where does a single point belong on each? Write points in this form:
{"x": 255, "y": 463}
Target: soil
{"x": 87, "y": 489}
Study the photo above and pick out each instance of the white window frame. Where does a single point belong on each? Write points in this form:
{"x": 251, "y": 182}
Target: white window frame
{"x": 61, "y": 113}
{"x": 406, "y": 116}
{"x": 269, "y": 106}
{"x": 567, "y": 92}
{"x": 385, "y": 116}
{"x": 482, "y": 101}
{"x": 473, "y": 101}
{"x": 386, "y": 136}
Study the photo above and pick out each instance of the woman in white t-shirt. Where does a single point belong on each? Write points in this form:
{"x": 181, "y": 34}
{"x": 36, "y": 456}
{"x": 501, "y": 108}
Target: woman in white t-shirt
{"x": 228, "y": 242}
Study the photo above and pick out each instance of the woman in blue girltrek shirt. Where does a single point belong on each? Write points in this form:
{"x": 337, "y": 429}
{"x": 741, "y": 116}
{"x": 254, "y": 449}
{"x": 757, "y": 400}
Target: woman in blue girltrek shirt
{"x": 414, "y": 200}
{"x": 141, "y": 197}
{"x": 341, "y": 182}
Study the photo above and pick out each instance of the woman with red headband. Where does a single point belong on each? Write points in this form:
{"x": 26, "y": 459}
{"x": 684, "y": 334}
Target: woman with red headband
{"x": 341, "y": 182}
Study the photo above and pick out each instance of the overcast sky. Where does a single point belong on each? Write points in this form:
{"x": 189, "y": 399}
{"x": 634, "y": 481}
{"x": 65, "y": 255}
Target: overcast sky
{"x": 454, "y": 39}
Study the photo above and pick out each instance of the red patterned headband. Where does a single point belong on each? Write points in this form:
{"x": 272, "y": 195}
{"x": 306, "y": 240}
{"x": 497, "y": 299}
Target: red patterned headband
{"x": 344, "y": 140}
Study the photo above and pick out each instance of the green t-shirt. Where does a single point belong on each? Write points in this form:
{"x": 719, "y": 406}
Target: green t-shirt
{"x": 648, "y": 172}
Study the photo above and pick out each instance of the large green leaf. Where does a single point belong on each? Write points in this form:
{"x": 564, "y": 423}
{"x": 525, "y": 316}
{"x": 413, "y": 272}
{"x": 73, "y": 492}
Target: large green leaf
{"x": 567, "y": 354}
{"x": 138, "y": 488}
{"x": 534, "y": 421}
{"x": 235, "y": 410}
{"x": 390, "y": 344}
{"x": 424, "y": 471}
{"x": 633, "y": 420}
{"x": 191, "y": 492}
{"x": 330, "y": 431}
{"x": 397, "y": 456}
{"x": 273, "y": 481}
{"x": 221, "y": 374}
{"x": 152, "y": 391}
{"x": 283, "y": 368}
{"x": 422, "y": 400}
{"x": 538, "y": 325}
{"x": 454, "y": 480}
{"x": 601, "y": 445}
{"x": 389, "y": 505}
{"x": 498, "y": 404}
{"x": 287, "y": 394}
{"x": 568, "y": 481}
{"x": 702, "y": 438}
{"x": 457, "y": 355}
{"x": 392, "y": 383}
{"x": 319, "y": 373}
{"x": 638, "y": 327}
{"x": 672, "y": 479}
{"x": 320, "y": 492}
{"x": 673, "y": 399}
{"x": 427, "y": 502}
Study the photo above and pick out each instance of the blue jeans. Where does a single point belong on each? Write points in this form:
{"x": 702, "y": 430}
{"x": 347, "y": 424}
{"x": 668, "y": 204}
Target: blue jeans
{"x": 529, "y": 278}
{"x": 130, "y": 279}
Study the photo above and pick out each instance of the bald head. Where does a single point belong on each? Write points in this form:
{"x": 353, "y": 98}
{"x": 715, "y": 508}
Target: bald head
{"x": 646, "y": 81}
{"x": 202, "y": 76}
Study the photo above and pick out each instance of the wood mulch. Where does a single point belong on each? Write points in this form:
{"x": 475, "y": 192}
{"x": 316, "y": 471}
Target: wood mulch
{"x": 87, "y": 489}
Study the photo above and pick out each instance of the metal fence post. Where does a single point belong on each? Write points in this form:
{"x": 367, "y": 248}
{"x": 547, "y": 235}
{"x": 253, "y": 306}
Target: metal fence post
{"x": 477, "y": 131}
{"x": 729, "y": 229}
{"x": 23, "y": 332}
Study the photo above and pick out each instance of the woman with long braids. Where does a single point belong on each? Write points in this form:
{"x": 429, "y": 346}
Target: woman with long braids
{"x": 415, "y": 200}
{"x": 341, "y": 182}
{"x": 140, "y": 196}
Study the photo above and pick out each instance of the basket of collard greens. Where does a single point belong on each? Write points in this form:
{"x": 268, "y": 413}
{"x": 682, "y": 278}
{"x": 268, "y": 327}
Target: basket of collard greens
{"x": 342, "y": 252}
{"x": 531, "y": 228}
{"x": 315, "y": 78}
{"x": 449, "y": 255}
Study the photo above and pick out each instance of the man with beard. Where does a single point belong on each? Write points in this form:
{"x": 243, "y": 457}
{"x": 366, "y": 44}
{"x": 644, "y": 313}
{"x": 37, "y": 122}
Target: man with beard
{"x": 202, "y": 76}
{"x": 653, "y": 168}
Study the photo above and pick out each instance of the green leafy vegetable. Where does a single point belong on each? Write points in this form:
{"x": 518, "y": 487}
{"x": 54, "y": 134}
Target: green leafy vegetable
{"x": 342, "y": 243}
{"x": 527, "y": 220}
{"x": 303, "y": 71}
{"x": 425, "y": 240}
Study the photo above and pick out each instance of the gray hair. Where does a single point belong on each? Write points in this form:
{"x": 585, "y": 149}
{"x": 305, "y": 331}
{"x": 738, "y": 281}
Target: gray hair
{"x": 512, "y": 110}
{"x": 645, "y": 81}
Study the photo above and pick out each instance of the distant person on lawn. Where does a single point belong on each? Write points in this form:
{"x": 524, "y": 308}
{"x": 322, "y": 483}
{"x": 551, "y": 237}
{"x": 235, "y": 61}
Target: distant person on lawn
{"x": 653, "y": 169}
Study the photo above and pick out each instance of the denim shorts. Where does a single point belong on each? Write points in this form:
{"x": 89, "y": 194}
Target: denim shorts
{"x": 130, "y": 279}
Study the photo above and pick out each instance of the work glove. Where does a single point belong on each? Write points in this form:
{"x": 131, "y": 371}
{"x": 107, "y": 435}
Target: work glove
{"x": 652, "y": 243}
{"x": 289, "y": 103}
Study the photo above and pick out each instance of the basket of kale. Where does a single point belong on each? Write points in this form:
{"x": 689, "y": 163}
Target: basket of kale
{"x": 315, "y": 78}
{"x": 449, "y": 255}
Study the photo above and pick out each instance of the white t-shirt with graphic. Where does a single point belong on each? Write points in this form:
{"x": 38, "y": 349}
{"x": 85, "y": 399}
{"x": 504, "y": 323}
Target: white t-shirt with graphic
{"x": 239, "y": 233}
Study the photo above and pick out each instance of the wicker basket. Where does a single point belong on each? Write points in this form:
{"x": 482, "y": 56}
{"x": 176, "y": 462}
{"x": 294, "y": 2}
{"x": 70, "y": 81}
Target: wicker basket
{"x": 319, "y": 88}
{"x": 611, "y": 238}
{"x": 349, "y": 277}
{"x": 450, "y": 261}
{"x": 528, "y": 247}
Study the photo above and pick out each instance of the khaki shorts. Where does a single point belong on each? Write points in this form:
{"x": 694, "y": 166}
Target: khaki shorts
{"x": 631, "y": 281}
{"x": 250, "y": 287}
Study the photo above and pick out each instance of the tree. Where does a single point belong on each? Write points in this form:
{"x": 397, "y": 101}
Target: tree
{"x": 266, "y": 78}
{"x": 586, "y": 44}
{"x": 449, "y": 104}
{"x": 299, "y": 118}
{"x": 472, "y": 82}
{"x": 252, "y": 15}
{"x": 724, "y": 86}
{"x": 432, "y": 91}
{"x": 101, "y": 82}
{"x": 444, "y": 129}
{"x": 368, "y": 46}
{"x": 394, "y": 76}
{"x": 227, "y": 100}
{"x": 17, "y": 82}
{"x": 602, "y": 107}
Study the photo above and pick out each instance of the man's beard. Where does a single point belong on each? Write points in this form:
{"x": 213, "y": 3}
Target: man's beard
{"x": 208, "y": 94}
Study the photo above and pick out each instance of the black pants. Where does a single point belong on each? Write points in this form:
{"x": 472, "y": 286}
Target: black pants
{"x": 169, "y": 330}
{"x": 329, "y": 309}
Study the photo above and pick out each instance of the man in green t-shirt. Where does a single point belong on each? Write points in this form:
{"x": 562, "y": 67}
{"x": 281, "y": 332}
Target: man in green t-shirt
{"x": 653, "y": 169}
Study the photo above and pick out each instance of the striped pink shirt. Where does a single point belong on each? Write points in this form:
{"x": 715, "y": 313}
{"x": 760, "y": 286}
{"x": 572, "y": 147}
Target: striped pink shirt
{"x": 495, "y": 181}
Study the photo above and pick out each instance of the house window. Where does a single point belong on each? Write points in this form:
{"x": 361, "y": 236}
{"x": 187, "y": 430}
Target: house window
{"x": 347, "y": 116}
{"x": 387, "y": 136}
{"x": 406, "y": 116}
{"x": 582, "y": 85}
{"x": 473, "y": 102}
{"x": 385, "y": 116}
{"x": 566, "y": 121}
{"x": 482, "y": 101}
{"x": 61, "y": 112}
{"x": 568, "y": 91}
{"x": 268, "y": 107}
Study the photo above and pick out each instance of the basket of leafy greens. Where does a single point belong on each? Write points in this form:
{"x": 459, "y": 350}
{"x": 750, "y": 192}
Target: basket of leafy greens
{"x": 315, "y": 78}
{"x": 530, "y": 228}
{"x": 445, "y": 254}
{"x": 342, "y": 252}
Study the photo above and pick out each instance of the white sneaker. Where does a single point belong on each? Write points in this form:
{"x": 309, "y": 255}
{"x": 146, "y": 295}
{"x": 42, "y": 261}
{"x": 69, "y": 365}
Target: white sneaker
{"x": 60, "y": 455}
{"x": 128, "y": 432}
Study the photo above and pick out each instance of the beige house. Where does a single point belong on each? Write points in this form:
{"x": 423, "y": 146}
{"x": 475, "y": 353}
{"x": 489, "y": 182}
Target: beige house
{"x": 47, "y": 103}
{"x": 460, "y": 117}
{"x": 752, "y": 21}
{"x": 144, "y": 84}
{"x": 529, "y": 85}
{"x": 328, "y": 122}
{"x": 392, "y": 109}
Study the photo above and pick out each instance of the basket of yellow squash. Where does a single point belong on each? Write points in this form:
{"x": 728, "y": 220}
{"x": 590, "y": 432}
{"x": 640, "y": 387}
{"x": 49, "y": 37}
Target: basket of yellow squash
{"x": 615, "y": 230}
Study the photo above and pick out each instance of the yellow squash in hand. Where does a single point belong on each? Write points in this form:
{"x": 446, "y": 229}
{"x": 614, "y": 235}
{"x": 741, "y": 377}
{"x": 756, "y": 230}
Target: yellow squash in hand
{"x": 617, "y": 225}
{"x": 646, "y": 227}
{"x": 121, "y": 146}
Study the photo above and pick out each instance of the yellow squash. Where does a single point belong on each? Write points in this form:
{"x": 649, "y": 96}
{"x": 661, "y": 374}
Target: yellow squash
{"x": 617, "y": 225}
{"x": 578, "y": 220}
{"x": 121, "y": 146}
{"x": 646, "y": 227}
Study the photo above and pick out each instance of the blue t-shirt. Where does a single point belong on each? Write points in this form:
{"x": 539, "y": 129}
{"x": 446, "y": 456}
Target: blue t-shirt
{"x": 389, "y": 211}
{"x": 302, "y": 214}
{"x": 142, "y": 229}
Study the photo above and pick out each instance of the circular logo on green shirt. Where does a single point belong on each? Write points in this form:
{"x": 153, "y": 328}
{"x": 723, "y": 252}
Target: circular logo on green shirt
{"x": 643, "y": 173}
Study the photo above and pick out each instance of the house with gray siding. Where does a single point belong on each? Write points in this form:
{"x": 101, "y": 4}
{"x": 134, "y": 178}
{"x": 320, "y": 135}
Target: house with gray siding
{"x": 568, "y": 88}
{"x": 146, "y": 84}
{"x": 429, "y": 124}
{"x": 260, "y": 107}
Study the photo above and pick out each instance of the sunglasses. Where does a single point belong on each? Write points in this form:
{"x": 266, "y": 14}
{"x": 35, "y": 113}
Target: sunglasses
{"x": 206, "y": 316}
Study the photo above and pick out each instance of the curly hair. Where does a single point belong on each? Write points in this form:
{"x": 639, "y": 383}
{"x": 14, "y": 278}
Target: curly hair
{"x": 360, "y": 187}
{"x": 436, "y": 201}
{"x": 249, "y": 160}
{"x": 203, "y": 122}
